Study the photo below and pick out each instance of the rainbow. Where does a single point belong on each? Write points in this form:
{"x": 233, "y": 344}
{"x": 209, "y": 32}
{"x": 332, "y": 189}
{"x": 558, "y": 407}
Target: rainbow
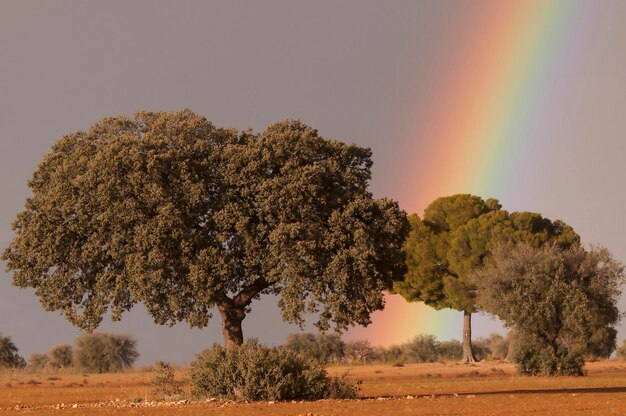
{"x": 501, "y": 78}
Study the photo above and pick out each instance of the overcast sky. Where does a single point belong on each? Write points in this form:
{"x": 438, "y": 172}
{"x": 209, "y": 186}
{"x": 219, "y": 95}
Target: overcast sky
{"x": 355, "y": 70}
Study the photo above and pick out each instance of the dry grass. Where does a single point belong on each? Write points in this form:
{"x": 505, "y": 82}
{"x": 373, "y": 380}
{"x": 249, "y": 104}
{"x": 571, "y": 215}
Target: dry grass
{"x": 419, "y": 389}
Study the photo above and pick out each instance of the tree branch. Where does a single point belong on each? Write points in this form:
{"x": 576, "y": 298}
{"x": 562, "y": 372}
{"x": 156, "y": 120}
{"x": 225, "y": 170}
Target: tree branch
{"x": 245, "y": 296}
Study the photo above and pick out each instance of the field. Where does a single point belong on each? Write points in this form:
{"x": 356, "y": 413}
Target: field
{"x": 419, "y": 389}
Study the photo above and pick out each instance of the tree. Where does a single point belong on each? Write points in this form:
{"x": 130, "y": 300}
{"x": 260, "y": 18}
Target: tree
{"x": 168, "y": 210}
{"x": 422, "y": 349}
{"x": 38, "y": 361}
{"x": 9, "y": 356}
{"x": 430, "y": 277}
{"x": 325, "y": 348}
{"x": 471, "y": 246}
{"x": 562, "y": 301}
{"x": 456, "y": 237}
{"x": 450, "y": 350}
{"x": 360, "y": 351}
{"x": 105, "y": 353}
{"x": 61, "y": 356}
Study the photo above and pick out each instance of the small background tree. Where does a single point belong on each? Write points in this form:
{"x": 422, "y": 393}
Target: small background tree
{"x": 61, "y": 356}
{"x": 9, "y": 357}
{"x": 164, "y": 381}
{"x": 359, "y": 351}
{"x": 104, "y": 353}
{"x": 326, "y": 348}
{"x": 422, "y": 349}
{"x": 38, "y": 361}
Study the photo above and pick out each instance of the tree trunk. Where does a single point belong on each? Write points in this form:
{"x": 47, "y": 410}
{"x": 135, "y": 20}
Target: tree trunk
{"x": 512, "y": 336}
{"x": 231, "y": 325}
{"x": 468, "y": 354}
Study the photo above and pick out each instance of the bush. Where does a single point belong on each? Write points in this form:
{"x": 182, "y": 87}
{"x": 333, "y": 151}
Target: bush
{"x": 38, "y": 361}
{"x": 104, "y": 353}
{"x": 321, "y": 347}
{"x": 498, "y": 345}
{"x": 360, "y": 351}
{"x": 164, "y": 381}
{"x": 9, "y": 357}
{"x": 394, "y": 354}
{"x": 60, "y": 356}
{"x": 422, "y": 349}
{"x": 255, "y": 372}
{"x": 481, "y": 349}
{"x": 534, "y": 358}
{"x": 451, "y": 350}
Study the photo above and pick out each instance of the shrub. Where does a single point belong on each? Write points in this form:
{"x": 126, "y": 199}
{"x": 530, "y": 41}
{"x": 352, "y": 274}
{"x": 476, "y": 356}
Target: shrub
{"x": 103, "y": 353}
{"x": 60, "y": 356}
{"x": 481, "y": 349}
{"x": 360, "y": 351}
{"x": 534, "y": 358}
{"x": 394, "y": 354}
{"x": 164, "y": 380}
{"x": 255, "y": 372}
{"x": 451, "y": 350}
{"x": 422, "y": 349}
{"x": 9, "y": 357}
{"x": 321, "y": 347}
{"x": 38, "y": 361}
{"x": 499, "y": 346}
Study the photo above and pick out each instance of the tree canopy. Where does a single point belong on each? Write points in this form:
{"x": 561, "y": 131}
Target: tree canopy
{"x": 9, "y": 356}
{"x": 168, "y": 210}
{"x": 563, "y": 302}
{"x": 454, "y": 238}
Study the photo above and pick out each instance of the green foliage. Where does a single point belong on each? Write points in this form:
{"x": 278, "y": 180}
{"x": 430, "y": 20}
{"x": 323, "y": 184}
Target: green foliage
{"x": 164, "y": 381}
{"x": 61, "y": 356}
{"x": 254, "y": 372}
{"x": 393, "y": 354}
{"x": 561, "y": 301}
{"x": 456, "y": 237}
{"x": 358, "y": 351}
{"x": 167, "y": 210}
{"x": 9, "y": 357}
{"x": 534, "y": 358}
{"x": 495, "y": 346}
{"x": 105, "y": 353}
{"x": 451, "y": 350}
{"x": 422, "y": 349}
{"x": 326, "y": 348}
{"x": 38, "y": 361}
{"x": 430, "y": 277}
{"x": 481, "y": 350}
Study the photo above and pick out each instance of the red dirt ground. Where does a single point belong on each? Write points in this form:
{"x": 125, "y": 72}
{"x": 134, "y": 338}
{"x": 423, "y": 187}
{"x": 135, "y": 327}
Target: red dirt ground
{"x": 488, "y": 388}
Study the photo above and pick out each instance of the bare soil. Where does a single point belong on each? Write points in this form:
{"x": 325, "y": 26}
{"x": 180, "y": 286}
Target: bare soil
{"x": 486, "y": 388}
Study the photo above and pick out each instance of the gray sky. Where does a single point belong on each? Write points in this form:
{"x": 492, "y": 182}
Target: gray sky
{"x": 355, "y": 70}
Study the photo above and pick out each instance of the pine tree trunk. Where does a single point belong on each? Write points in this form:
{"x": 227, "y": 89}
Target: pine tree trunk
{"x": 468, "y": 354}
{"x": 231, "y": 325}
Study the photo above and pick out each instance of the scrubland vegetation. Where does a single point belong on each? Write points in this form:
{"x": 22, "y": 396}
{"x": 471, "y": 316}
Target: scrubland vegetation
{"x": 187, "y": 218}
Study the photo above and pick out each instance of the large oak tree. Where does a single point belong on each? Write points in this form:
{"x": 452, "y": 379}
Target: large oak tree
{"x": 167, "y": 210}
